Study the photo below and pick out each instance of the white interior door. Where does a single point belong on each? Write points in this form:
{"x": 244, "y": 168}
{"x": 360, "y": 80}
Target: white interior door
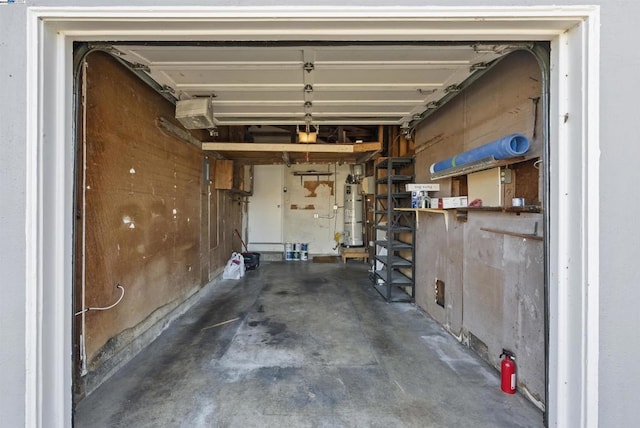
{"x": 265, "y": 209}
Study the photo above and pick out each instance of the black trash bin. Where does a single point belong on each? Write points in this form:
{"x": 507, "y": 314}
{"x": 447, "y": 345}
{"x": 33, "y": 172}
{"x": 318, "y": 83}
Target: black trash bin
{"x": 251, "y": 260}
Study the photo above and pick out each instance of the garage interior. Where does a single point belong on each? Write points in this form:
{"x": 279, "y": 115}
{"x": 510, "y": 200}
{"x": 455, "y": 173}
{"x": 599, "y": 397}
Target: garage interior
{"x": 159, "y": 206}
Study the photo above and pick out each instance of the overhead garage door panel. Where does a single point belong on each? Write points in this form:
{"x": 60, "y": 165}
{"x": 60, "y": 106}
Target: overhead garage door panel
{"x": 403, "y": 78}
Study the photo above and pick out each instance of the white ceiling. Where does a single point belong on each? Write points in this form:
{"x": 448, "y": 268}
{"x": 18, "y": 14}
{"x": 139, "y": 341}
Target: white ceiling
{"x": 346, "y": 85}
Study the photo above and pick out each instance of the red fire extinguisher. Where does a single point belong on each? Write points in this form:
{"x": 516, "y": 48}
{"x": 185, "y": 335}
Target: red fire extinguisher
{"x": 508, "y": 372}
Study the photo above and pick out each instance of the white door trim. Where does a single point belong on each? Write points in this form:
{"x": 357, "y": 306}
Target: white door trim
{"x": 573, "y": 32}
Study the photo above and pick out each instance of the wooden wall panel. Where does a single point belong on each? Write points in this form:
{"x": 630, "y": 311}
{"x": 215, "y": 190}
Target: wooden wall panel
{"x": 142, "y": 204}
{"x": 494, "y": 283}
{"x": 144, "y": 210}
{"x": 439, "y": 255}
{"x": 224, "y": 174}
{"x": 504, "y": 294}
{"x": 227, "y": 210}
{"x": 502, "y": 102}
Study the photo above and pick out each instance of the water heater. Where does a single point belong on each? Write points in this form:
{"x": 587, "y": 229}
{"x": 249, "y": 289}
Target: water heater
{"x": 353, "y": 231}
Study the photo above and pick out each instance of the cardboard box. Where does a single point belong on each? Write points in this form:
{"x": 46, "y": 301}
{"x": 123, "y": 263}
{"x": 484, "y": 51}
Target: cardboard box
{"x": 451, "y": 202}
{"x": 425, "y": 187}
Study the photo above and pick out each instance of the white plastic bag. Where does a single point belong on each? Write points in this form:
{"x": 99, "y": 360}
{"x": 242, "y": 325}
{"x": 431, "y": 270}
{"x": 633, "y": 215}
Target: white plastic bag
{"x": 235, "y": 267}
{"x": 243, "y": 268}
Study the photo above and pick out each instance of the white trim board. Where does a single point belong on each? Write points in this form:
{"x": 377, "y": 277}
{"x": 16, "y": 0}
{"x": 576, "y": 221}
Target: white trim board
{"x": 573, "y": 33}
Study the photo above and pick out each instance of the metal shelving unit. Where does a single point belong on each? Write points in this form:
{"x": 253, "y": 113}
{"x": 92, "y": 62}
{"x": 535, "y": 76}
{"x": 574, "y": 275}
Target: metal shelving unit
{"x": 394, "y": 270}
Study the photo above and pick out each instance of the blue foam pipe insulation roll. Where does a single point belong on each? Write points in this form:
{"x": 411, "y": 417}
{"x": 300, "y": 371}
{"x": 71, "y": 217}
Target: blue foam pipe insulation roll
{"x": 511, "y": 146}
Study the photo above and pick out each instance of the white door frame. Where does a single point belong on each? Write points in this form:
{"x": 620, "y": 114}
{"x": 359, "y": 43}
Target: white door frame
{"x": 573, "y": 32}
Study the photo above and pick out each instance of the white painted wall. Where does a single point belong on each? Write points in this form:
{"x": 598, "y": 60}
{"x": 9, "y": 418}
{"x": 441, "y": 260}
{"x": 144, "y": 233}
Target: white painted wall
{"x": 306, "y": 216}
{"x": 619, "y": 346}
{"x": 619, "y": 234}
{"x": 299, "y": 220}
{"x": 12, "y": 216}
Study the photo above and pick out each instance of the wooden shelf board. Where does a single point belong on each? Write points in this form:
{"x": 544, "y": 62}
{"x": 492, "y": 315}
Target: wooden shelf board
{"x": 291, "y": 147}
{"x": 445, "y": 213}
{"x": 482, "y": 164}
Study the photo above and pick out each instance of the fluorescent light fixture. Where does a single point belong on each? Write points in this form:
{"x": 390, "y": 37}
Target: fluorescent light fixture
{"x": 307, "y": 137}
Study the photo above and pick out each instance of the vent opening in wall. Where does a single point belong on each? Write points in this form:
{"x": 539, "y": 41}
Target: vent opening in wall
{"x": 439, "y": 289}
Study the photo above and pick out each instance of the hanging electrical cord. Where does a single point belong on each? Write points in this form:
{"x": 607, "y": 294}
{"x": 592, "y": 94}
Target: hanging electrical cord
{"x": 105, "y": 307}
{"x": 334, "y": 211}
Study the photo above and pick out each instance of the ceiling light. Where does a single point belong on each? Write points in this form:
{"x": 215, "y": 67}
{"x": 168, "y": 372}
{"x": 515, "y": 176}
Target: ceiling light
{"x": 307, "y": 136}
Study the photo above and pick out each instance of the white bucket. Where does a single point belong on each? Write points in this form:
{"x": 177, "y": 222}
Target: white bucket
{"x": 288, "y": 251}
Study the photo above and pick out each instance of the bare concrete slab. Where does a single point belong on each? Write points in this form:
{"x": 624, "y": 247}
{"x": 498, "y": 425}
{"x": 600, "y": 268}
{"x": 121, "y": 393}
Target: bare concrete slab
{"x": 314, "y": 345}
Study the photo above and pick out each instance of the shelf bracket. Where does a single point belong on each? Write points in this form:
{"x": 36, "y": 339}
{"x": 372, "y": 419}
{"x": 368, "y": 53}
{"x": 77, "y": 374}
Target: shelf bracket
{"x": 514, "y": 234}
{"x": 445, "y": 213}
{"x": 317, "y": 174}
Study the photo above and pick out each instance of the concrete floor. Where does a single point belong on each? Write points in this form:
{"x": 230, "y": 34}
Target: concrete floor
{"x": 315, "y": 346}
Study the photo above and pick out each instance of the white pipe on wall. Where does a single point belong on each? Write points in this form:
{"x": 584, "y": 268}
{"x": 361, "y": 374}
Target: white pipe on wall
{"x": 83, "y": 348}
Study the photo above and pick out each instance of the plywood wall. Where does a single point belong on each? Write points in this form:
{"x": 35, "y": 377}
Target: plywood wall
{"x": 145, "y": 205}
{"x": 503, "y": 293}
{"x": 504, "y": 101}
{"x": 494, "y": 284}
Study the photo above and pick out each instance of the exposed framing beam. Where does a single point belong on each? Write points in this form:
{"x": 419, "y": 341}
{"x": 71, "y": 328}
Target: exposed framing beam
{"x": 368, "y": 150}
{"x": 176, "y": 132}
{"x": 364, "y": 158}
{"x": 293, "y": 148}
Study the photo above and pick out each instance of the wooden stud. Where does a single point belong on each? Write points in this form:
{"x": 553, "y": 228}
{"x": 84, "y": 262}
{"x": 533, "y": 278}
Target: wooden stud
{"x": 224, "y": 175}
